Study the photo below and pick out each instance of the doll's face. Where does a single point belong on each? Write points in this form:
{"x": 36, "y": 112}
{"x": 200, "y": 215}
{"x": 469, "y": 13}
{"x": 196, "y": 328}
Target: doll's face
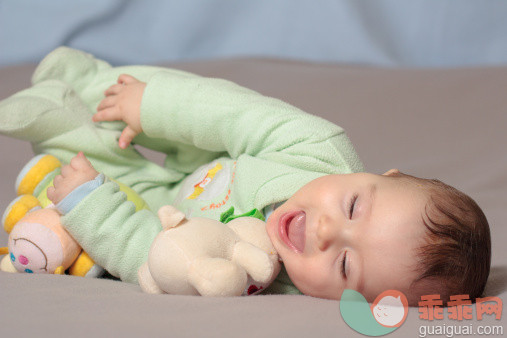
{"x": 354, "y": 231}
{"x": 33, "y": 248}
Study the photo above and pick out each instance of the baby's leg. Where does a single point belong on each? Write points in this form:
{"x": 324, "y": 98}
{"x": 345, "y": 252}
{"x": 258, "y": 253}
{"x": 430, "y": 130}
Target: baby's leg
{"x": 88, "y": 76}
{"x": 42, "y": 112}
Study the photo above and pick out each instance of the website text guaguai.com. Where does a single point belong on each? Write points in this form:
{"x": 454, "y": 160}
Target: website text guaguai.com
{"x": 460, "y": 330}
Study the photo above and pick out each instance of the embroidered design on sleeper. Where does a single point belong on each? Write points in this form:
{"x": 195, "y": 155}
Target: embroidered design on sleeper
{"x": 206, "y": 184}
{"x": 199, "y": 186}
{"x": 226, "y": 198}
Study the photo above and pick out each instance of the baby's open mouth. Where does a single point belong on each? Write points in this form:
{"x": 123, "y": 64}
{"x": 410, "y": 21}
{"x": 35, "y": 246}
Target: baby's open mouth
{"x": 292, "y": 227}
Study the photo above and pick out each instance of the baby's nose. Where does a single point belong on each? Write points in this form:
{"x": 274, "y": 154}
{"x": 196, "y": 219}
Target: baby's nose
{"x": 327, "y": 234}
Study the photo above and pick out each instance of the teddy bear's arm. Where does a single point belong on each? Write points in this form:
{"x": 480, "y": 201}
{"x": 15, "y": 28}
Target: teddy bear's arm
{"x": 255, "y": 261}
{"x": 146, "y": 281}
{"x": 217, "y": 277}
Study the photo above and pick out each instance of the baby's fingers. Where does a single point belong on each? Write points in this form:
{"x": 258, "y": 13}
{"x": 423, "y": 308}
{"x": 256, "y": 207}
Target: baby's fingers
{"x": 51, "y": 194}
{"x": 127, "y": 79}
{"x": 66, "y": 170}
{"x": 80, "y": 162}
{"x": 126, "y": 137}
{"x": 107, "y": 114}
{"x": 109, "y": 101}
{"x": 114, "y": 89}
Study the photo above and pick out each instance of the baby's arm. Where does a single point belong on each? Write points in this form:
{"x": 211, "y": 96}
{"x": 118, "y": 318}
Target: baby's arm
{"x": 104, "y": 223}
{"x": 217, "y": 115}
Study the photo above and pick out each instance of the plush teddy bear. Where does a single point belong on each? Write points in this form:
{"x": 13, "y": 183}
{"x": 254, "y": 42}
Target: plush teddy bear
{"x": 201, "y": 256}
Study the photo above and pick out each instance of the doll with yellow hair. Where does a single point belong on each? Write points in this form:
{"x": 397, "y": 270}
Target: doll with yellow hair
{"x": 38, "y": 243}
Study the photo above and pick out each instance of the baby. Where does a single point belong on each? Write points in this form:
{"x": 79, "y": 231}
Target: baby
{"x": 334, "y": 226}
{"x": 357, "y": 231}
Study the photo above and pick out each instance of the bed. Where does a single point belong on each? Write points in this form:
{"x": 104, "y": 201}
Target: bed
{"x": 441, "y": 123}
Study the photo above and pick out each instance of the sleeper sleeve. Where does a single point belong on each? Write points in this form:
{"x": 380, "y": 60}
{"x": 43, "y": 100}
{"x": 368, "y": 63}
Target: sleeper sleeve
{"x": 76, "y": 195}
{"x": 110, "y": 230}
{"x": 220, "y": 116}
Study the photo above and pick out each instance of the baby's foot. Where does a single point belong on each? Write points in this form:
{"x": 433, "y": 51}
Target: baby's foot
{"x": 79, "y": 171}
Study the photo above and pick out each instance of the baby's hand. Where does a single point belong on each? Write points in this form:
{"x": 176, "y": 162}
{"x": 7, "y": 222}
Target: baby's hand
{"x": 123, "y": 103}
{"x": 79, "y": 171}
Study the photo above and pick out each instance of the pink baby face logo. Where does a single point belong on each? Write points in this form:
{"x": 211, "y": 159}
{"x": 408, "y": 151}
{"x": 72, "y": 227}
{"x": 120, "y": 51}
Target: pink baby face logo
{"x": 390, "y": 308}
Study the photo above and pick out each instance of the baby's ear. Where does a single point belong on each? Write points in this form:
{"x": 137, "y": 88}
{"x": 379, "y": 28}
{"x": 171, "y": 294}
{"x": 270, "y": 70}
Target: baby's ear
{"x": 391, "y": 172}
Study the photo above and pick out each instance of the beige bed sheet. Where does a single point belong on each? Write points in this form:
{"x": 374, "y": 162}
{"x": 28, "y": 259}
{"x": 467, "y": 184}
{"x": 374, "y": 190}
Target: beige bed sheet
{"x": 448, "y": 124}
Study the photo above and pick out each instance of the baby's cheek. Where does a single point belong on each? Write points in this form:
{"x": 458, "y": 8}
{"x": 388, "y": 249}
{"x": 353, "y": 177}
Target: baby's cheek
{"x": 271, "y": 229}
{"x": 313, "y": 280}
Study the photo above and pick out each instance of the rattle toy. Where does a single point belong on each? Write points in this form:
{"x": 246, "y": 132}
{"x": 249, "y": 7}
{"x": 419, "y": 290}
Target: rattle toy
{"x": 38, "y": 243}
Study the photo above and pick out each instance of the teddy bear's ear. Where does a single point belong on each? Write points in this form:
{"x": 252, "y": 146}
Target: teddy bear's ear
{"x": 170, "y": 216}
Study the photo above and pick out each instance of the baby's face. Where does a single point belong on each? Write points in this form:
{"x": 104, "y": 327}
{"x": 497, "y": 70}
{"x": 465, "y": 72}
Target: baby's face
{"x": 354, "y": 231}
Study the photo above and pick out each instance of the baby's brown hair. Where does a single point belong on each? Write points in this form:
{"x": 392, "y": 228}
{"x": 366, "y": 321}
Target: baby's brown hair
{"x": 455, "y": 258}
